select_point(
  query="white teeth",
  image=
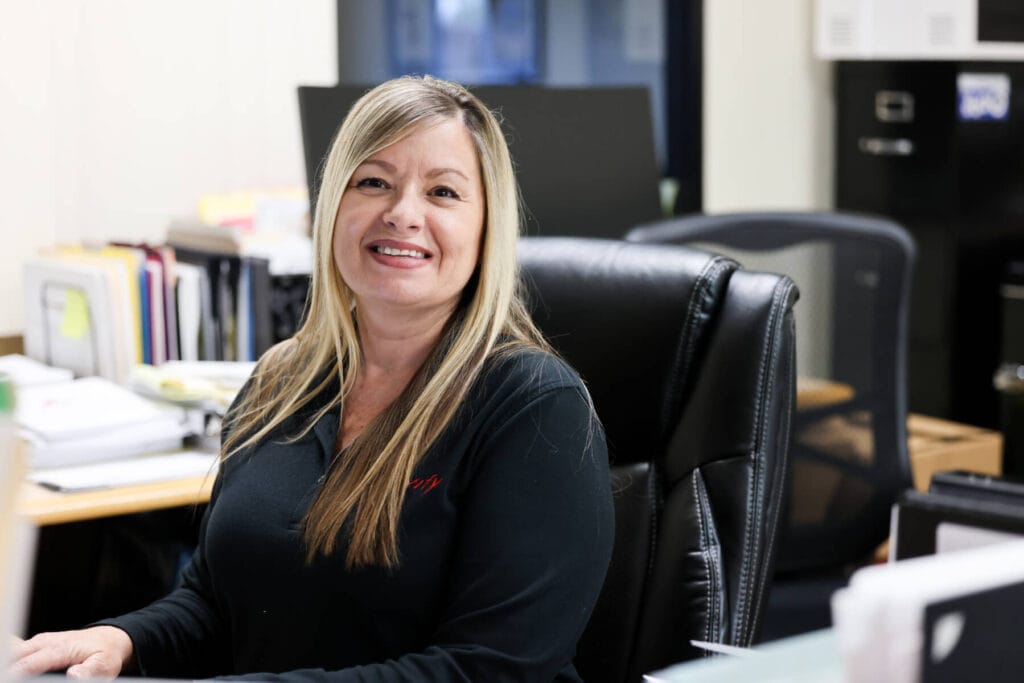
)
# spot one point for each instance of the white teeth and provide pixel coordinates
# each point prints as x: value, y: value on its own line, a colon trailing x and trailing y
x: 388, y: 251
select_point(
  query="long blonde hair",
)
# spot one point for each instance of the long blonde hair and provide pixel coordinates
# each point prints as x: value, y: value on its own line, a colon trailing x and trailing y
x: 365, y: 488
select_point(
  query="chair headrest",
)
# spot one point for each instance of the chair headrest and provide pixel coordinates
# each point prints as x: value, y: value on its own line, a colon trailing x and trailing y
x: 639, y: 314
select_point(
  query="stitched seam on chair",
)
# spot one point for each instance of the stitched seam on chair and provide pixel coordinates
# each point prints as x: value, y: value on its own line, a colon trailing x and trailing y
x: 716, y: 565
x: 704, y: 555
x: 653, y: 495
x: 783, y: 454
x: 711, y: 542
x: 755, y: 491
x: 776, y: 319
x: 682, y: 362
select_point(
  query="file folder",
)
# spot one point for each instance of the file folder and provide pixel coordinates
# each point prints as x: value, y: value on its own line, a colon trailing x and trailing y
x: 974, y: 637
x: 919, y: 518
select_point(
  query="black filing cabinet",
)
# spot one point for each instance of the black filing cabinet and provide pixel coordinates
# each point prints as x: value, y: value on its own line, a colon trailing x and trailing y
x: 908, y: 148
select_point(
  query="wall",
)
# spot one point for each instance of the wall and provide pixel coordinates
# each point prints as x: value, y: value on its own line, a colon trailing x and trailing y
x: 115, y: 116
x: 85, y: 84
x: 768, y: 140
x: 768, y: 111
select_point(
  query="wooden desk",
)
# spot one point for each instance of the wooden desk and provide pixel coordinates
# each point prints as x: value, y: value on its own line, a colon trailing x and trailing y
x: 812, y: 392
x: 44, y: 507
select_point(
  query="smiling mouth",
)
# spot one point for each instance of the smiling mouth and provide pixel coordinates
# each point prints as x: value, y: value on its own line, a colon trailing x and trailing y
x: 408, y: 253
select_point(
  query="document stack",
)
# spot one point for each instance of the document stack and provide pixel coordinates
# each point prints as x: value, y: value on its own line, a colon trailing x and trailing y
x: 239, y: 291
x: 90, y: 419
x: 948, y: 617
x: 213, y: 296
x: 209, y: 386
x: 21, y: 371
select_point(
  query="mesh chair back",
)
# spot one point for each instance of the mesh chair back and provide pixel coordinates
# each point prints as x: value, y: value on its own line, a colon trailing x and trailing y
x: 849, y: 448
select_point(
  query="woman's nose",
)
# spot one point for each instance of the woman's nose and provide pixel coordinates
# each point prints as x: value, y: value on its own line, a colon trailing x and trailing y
x: 405, y: 212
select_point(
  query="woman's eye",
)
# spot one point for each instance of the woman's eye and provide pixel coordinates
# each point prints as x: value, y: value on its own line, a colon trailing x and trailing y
x: 372, y: 183
x: 445, y: 192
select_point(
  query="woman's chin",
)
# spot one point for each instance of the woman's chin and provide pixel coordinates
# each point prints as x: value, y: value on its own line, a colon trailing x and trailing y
x: 405, y: 303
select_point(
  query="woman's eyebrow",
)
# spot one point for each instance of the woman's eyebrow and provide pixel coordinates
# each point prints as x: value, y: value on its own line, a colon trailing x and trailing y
x: 441, y: 171
x: 378, y: 162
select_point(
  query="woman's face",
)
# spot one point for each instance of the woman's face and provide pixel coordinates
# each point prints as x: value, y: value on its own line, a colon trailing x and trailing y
x: 408, y: 229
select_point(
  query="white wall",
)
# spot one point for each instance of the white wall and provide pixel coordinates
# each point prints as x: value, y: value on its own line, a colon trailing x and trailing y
x: 768, y: 111
x: 116, y: 115
x: 768, y: 141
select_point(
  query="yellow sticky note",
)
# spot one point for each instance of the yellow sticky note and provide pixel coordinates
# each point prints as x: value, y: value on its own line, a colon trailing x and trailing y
x: 75, y: 322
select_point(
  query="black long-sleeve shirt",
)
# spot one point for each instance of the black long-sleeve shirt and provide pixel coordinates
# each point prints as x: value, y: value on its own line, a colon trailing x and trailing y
x: 505, y: 536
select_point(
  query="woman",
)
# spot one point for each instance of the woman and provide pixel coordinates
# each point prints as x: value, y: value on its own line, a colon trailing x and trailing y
x: 413, y: 487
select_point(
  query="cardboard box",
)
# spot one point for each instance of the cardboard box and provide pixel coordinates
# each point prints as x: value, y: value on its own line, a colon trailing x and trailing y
x: 940, y: 446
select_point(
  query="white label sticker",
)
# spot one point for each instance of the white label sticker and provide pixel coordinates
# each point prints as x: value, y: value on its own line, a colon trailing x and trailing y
x: 983, y: 97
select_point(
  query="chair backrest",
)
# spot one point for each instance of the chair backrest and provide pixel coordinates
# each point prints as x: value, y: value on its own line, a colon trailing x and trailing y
x: 690, y: 364
x: 849, y: 448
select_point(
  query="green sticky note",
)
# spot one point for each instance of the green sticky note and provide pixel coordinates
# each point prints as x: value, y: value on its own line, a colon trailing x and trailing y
x: 75, y: 323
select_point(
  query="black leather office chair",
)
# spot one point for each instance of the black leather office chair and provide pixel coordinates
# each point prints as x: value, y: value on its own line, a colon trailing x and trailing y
x: 849, y: 453
x: 690, y: 364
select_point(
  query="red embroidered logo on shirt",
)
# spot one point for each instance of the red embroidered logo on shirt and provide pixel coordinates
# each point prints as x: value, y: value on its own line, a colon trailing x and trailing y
x: 425, y: 484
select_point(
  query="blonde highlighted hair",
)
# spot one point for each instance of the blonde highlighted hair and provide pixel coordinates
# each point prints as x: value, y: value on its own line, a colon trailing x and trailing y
x: 365, y: 488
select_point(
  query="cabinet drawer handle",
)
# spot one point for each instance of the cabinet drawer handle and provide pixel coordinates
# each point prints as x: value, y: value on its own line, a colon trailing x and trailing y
x: 886, y: 147
x: 894, y: 106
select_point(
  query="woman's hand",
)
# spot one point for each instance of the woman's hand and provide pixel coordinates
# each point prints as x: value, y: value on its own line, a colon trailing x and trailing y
x: 98, y: 652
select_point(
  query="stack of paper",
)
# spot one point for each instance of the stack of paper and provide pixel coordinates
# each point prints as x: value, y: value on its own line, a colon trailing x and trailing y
x: 208, y: 385
x: 942, y: 617
x: 22, y: 371
x: 91, y: 419
x: 130, y: 472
